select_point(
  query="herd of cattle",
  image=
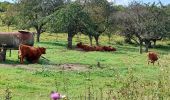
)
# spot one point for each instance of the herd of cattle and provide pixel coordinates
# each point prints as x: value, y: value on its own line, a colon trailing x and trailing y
x: 32, y: 54
x: 23, y: 41
x: 94, y: 48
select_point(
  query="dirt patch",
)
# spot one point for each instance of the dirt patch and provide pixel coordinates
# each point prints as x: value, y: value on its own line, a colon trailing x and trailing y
x: 22, y: 66
x: 32, y: 67
x: 74, y: 67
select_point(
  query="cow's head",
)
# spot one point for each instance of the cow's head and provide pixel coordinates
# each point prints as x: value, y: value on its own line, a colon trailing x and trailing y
x: 43, y: 50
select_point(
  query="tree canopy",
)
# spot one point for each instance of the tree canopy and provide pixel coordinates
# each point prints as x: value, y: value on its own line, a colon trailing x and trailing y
x: 34, y: 13
x: 70, y: 19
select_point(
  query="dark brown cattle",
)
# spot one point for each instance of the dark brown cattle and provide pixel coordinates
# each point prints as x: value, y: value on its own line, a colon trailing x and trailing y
x: 85, y: 48
x: 98, y: 48
x: 95, y: 48
x: 31, y: 54
x: 79, y: 45
x: 152, y: 57
x: 108, y: 48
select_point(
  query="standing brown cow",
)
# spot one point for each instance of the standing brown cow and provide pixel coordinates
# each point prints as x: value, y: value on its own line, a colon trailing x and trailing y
x: 31, y: 54
x: 152, y: 57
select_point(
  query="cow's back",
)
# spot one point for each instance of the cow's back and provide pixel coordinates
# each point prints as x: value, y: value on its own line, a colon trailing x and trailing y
x: 153, y: 56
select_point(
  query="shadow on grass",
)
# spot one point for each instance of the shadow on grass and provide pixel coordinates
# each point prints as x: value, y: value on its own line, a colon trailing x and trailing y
x: 164, y: 48
x: 11, y: 62
x: 17, y: 62
x: 57, y: 43
x: 127, y: 49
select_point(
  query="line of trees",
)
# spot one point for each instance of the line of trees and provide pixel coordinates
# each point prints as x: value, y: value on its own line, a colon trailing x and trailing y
x: 138, y: 22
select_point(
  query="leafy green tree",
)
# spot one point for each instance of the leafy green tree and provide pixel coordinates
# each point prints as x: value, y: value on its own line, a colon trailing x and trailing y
x: 4, y: 6
x: 34, y: 14
x: 8, y: 17
x: 167, y: 23
x: 70, y: 19
x: 99, y: 12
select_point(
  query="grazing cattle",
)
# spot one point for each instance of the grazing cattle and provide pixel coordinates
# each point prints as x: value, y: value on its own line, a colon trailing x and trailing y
x: 152, y: 57
x: 31, y: 54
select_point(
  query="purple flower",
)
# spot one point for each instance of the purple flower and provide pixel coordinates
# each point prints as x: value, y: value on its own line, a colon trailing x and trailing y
x: 55, y: 96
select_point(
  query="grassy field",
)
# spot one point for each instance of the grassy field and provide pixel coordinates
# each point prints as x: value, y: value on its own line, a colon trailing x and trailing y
x: 123, y: 74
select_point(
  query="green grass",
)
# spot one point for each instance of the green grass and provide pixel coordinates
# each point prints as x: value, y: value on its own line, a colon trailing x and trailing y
x: 35, y: 81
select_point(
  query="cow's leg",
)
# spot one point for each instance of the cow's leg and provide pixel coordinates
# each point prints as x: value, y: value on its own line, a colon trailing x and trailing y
x: 153, y: 62
x: 20, y: 56
x: 158, y: 63
x: 21, y: 59
x: 149, y: 62
x: 35, y: 61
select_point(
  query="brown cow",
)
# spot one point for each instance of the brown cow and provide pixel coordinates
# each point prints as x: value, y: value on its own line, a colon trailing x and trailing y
x: 94, y: 48
x: 98, y: 48
x: 152, y: 57
x: 79, y: 45
x: 31, y: 54
x: 109, y: 48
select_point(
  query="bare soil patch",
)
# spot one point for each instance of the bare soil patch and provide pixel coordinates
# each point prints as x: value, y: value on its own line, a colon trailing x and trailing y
x: 32, y: 67
x: 74, y: 67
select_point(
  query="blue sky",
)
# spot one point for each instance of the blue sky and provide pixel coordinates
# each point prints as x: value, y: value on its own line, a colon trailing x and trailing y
x: 125, y: 2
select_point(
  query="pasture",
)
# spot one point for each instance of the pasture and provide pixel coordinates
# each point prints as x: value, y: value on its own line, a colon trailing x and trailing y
x: 124, y: 74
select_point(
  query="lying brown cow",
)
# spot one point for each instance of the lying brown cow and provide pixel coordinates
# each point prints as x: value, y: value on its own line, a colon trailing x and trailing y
x: 31, y: 54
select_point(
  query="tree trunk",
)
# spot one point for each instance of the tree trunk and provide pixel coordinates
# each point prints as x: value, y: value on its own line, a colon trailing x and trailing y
x: 154, y: 43
x: 38, y: 37
x: 39, y: 31
x: 147, y: 43
x: 146, y: 48
x: 150, y: 44
x: 128, y: 40
x: 109, y: 39
x: 97, y: 39
x: 69, y: 40
x: 140, y: 46
x: 8, y: 28
x: 91, y: 40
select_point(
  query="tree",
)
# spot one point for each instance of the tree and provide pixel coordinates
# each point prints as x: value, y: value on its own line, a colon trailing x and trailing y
x: 98, y: 11
x: 112, y: 23
x: 167, y: 23
x: 8, y: 17
x: 34, y: 13
x: 70, y: 19
x: 144, y: 22
x: 4, y: 6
